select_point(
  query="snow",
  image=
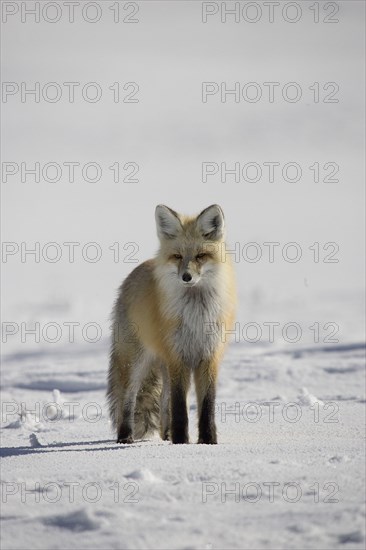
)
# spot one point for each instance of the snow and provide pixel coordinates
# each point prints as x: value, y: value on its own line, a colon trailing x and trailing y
x: 285, y: 474
x: 288, y: 471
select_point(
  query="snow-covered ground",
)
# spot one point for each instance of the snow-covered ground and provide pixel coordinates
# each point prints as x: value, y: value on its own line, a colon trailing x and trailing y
x: 288, y: 472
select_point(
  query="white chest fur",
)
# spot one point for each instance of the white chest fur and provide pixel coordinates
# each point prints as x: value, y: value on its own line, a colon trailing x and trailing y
x: 197, y: 335
x: 198, y: 310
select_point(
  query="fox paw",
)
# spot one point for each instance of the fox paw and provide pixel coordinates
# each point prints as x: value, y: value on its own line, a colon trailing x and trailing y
x: 125, y: 440
x: 128, y: 439
x: 207, y: 441
x: 179, y: 440
x: 165, y: 436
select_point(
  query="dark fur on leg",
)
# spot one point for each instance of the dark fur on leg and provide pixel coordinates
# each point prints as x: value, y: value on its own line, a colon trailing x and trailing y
x: 125, y: 431
x: 179, y: 415
x: 206, y: 425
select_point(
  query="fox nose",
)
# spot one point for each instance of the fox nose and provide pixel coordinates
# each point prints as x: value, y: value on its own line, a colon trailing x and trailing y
x: 186, y: 277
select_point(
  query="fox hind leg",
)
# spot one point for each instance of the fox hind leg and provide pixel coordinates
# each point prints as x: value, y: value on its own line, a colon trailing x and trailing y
x: 122, y: 396
x: 117, y: 386
x: 138, y: 372
x: 125, y: 428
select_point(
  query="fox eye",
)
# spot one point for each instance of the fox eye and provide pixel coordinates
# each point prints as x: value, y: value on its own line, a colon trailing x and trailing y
x: 177, y: 256
x: 200, y: 256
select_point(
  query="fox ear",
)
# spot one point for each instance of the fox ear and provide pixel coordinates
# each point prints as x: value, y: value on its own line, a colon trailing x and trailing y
x: 211, y: 222
x: 167, y: 222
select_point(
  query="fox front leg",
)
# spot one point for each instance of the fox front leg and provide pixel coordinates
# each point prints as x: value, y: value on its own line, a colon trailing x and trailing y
x: 205, y: 379
x: 179, y: 385
x: 165, y: 405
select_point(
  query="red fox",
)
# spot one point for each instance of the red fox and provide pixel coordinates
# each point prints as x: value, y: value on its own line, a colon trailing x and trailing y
x: 167, y: 324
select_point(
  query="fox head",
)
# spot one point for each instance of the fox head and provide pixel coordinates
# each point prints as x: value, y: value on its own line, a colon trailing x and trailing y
x: 190, y: 248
